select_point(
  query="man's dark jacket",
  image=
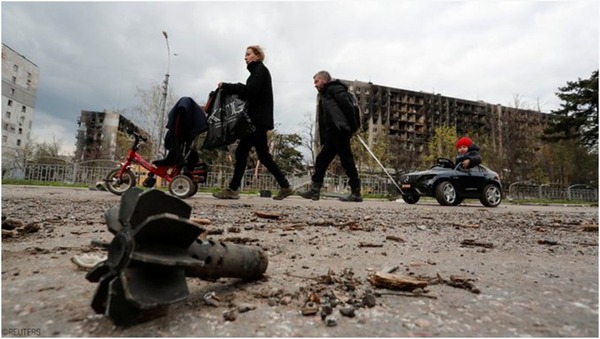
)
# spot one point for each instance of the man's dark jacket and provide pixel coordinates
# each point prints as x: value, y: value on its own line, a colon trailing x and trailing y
x: 335, y: 111
x: 258, y: 91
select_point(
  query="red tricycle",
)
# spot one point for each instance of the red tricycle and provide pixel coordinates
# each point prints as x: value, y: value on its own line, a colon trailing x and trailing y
x: 182, y: 183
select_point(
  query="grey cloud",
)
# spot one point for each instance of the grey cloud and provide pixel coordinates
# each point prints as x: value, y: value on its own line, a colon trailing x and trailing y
x: 95, y: 56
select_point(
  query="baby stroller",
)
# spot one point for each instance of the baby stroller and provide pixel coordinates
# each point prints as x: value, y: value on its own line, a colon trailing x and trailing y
x: 182, y: 168
x: 186, y: 121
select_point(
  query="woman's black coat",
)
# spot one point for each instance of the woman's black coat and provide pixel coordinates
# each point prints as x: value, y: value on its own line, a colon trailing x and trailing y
x: 258, y: 91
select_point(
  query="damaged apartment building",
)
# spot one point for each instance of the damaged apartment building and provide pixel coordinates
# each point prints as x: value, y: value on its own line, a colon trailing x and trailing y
x: 409, y: 118
x: 20, y: 79
x: 102, y: 136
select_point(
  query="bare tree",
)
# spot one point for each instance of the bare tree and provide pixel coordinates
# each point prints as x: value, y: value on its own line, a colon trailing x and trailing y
x: 47, y: 152
x: 308, y: 137
x: 513, y: 145
x: 22, y: 155
x: 148, y: 114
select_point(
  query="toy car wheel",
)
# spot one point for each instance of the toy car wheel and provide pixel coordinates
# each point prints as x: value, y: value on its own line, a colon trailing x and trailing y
x: 411, y: 199
x: 445, y: 193
x: 491, y: 196
x: 458, y: 201
x: 116, y: 186
x: 182, y: 186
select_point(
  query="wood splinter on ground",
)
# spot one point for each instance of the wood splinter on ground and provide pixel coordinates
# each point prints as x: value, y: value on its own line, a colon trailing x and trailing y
x: 459, y: 282
x: 366, y: 244
x: 588, y: 228
x: 268, y: 215
x: 201, y: 221
x: 473, y: 242
x: 394, y: 238
x: 396, y: 282
x: 465, y: 225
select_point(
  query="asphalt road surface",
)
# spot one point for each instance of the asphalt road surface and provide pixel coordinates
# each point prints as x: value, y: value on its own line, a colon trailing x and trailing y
x: 509, y: 271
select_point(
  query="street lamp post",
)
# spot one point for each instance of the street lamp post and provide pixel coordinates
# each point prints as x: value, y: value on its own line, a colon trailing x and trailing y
x: 164, y: 96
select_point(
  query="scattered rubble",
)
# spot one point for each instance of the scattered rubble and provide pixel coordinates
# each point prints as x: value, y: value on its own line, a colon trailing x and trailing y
x: 372, y: 269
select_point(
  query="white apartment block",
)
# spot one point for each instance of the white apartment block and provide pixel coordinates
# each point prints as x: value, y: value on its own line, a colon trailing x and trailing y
x: 20, y: 79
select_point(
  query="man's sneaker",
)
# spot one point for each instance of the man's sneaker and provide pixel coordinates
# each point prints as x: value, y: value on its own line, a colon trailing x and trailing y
x: 227, y: 193
x: 284, y: 193
x: 352, y: 197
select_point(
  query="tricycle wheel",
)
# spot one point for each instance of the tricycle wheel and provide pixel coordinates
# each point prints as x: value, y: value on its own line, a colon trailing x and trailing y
x: 182, y: 187
x: 119, y: 186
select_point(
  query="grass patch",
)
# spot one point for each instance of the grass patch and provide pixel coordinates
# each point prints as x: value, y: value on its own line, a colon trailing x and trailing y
x: 552, y: 202
x: 40, y: 183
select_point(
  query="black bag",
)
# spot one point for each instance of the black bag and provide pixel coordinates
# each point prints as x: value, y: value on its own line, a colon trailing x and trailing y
x: 228, y: 119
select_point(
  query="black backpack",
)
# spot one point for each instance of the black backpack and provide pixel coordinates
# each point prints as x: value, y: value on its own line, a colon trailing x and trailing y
x: 357, y: 112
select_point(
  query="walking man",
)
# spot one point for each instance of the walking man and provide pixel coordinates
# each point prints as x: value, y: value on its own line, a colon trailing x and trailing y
x: 337, y: 123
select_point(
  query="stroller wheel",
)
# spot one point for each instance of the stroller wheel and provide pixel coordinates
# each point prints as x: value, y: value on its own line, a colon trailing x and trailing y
x: 182, y: 187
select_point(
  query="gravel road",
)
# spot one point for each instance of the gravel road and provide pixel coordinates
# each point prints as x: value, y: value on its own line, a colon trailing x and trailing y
x: 521, y: 270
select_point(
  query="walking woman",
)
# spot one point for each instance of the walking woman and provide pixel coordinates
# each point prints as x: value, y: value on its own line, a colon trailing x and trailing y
x: 258, y: 91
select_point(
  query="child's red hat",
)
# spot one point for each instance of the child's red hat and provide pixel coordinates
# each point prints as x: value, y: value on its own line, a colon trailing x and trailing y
x: 464, y: 141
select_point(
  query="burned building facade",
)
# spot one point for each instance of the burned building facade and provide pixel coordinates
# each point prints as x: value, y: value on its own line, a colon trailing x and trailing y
x: 409, y: 118
x: 98, y: 135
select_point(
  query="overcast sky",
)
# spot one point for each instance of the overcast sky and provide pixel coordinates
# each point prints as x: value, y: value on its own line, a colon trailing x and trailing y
x: 94, y: 56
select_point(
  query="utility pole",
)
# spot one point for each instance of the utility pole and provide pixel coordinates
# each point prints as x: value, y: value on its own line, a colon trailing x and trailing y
x: 164, y: 99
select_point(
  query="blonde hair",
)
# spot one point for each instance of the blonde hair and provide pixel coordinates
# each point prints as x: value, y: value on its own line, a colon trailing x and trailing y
x: 258, y: 51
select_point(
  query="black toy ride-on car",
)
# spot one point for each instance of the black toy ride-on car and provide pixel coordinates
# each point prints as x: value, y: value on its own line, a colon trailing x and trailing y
x: 451, y: 184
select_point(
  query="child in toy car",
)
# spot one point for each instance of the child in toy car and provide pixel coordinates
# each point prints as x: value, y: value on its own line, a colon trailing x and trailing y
x: 468, y: 153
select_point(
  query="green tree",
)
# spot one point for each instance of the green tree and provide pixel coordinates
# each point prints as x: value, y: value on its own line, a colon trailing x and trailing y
x: 578, y: 117
x: 441, y: 145
x: 567, y: 163
x: 286, y: 153
x: 283, y: 147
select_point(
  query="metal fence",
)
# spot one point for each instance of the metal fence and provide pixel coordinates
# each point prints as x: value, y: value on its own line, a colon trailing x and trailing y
x: 219, y: 176
x: 527, y: 190
x: 78, y: 173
